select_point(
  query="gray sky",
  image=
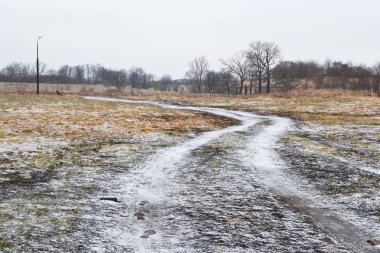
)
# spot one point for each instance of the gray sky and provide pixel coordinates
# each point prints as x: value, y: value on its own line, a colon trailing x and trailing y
x: 162, y: 36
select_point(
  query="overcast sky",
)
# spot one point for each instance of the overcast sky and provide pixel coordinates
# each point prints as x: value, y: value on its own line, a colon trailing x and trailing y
x: 162, y: 36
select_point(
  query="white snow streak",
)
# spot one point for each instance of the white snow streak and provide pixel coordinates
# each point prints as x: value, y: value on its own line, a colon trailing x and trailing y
x: 152, y: 182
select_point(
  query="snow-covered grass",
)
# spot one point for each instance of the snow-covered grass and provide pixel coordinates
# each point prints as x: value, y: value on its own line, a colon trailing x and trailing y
x: 59, y: 155
x: 155, y: 182
x: 54, y: 152
x: 334, y: 144
x: 345, y: 126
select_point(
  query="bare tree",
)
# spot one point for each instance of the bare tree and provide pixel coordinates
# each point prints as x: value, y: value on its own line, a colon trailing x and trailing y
x: 137, y: 77
x: 166, y: 81
x: 271, y: 54
x: 79, y: 73
x: 255, y: 56
x: 198, y: 69
x: 89, y: 72
x: 238, y: 66
x: 190, y: 77
x: 226, y: 79
x: 212, y: 79
x: 286, y: 76
x: 42, y: 67
x: 120, y: 79
x: 19, y: 72
x: 376, y: 75
x: 149, y: 81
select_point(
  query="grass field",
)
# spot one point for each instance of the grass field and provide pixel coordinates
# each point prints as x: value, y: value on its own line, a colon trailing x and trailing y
x: 338, y: 124
x: 56, y: 151
x: 317, y: 108
x: 71, y: 117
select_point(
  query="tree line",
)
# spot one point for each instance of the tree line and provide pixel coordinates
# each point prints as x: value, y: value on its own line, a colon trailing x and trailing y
x: 253, y: 70
x: 256, y: 70
x: 80, y: 74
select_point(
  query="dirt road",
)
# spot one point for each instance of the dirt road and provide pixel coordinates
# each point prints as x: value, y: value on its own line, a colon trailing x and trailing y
x: 225, y: 191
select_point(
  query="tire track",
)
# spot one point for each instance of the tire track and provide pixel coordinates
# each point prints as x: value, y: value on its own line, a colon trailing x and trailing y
x: 153, y: 186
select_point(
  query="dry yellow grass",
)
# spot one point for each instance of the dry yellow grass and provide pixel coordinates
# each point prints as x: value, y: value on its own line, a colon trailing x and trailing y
x: 342, y: 125
x: 314, y: 105
x: 72, y: 117
x: 49, y: 88
x: 337, y: 109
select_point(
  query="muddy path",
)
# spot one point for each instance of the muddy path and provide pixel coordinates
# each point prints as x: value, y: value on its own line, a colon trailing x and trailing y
x: 225, y: 191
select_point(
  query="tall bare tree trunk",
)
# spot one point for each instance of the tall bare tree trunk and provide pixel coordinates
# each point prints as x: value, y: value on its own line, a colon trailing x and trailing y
x: 260, y: 84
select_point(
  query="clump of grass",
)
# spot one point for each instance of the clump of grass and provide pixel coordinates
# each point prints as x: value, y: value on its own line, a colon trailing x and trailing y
x: 6, y: 245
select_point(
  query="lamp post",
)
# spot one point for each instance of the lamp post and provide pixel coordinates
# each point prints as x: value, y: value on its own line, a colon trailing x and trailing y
x: 38, y: 69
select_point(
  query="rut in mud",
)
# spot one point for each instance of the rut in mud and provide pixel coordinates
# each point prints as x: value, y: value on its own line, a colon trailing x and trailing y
x: 225, y: 191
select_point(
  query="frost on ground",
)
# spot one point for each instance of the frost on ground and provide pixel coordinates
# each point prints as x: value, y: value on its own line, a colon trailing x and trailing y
x: 55, y: 152
x: 206, y: 201
x: 342, y: 162
x: 264, y: 184
x: 215, y: 197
